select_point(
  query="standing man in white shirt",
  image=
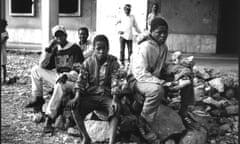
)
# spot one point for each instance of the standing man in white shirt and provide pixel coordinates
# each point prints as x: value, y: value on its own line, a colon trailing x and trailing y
x: 127, y: 23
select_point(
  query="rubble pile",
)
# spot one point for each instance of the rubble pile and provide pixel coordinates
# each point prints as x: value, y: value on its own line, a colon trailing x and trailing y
x: 215, y: 110
x: 216, y: 98
x: 216, y: 104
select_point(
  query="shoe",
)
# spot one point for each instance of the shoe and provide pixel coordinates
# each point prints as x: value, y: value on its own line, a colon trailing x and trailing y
x: 38, y: 117
x: 190, y: 123
x: 73, y: 132
x: 36, y: 103
x: 147, y: 133
x: 69, y: 123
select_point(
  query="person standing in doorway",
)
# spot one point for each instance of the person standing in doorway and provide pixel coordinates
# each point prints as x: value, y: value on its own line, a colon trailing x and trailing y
x: 127, y: 23
x: 154, y: 13
x: 4, y: 38
x: 61, y: 59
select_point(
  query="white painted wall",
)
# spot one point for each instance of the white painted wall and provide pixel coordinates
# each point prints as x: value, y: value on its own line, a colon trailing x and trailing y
x: 108, y: 12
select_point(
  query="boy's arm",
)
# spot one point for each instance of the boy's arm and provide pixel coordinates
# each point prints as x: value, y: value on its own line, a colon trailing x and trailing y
x: 135, y: 25
x: 148, y: 21
x: 47, y: 54
x: 115, y: 77
x: 81, y: 82
x: 119, y: 28
x: 115, y: 86
x: 140, y: 66
x: 79, y: 88
x: 79, y: 58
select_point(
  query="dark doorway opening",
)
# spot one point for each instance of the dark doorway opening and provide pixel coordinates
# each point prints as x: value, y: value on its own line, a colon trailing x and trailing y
x: 227, y: 39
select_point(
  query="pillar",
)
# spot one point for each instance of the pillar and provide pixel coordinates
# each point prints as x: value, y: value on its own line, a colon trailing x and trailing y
x: 49, y: 19
x: 3, y: 9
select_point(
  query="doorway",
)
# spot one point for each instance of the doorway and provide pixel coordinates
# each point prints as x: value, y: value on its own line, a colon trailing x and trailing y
x: 108, y: 12
x: 227, y: 38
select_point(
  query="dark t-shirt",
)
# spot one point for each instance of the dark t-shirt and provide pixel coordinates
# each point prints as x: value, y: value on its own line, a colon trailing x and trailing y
x: 65, y: 60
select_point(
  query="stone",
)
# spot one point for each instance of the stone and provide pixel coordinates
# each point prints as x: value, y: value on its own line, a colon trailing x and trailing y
x: 217, y: 83
x: 97, y: 130
x: 170, y: 141
x: 218, y: 112
x: 228, y: 81
x: 199, y: 93
x: 225, y: 128
x: 167, y: 122
x: 218, y: 104
x: 195, y: 137
x: 202, y: 74
x: 229, y: 93
x: 232, y: 109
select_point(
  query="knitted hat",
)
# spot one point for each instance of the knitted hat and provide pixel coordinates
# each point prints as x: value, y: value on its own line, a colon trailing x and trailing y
x: 58, y: 28
x: 157, y: 21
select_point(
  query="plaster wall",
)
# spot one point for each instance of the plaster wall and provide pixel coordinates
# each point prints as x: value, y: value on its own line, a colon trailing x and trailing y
x: 193, y: 24
x: 24, y: 29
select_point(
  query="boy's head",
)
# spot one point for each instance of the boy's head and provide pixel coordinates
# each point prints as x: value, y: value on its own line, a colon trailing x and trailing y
x: 127, y: 9
x: 159, y: 30
x: 101, y: 46
x: 155, y: 7
x: 83, y: 34
x: 59, y: 33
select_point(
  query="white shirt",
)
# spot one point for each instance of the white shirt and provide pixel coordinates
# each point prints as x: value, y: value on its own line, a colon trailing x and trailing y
x: 126, y: 25
x: 86, y: 48
x: 147, y: 62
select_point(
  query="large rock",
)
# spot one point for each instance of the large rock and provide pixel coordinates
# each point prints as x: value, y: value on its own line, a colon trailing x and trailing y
x: 98, y: 130
x: 195, y: 137
x: 167, y: 122
x: 232, y: 109
x: 218, y: 84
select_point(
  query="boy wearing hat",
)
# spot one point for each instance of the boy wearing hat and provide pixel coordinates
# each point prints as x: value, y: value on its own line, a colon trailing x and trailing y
x: 59, y: 61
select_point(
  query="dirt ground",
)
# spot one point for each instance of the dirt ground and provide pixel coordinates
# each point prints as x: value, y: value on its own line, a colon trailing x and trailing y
x: 16, y: 124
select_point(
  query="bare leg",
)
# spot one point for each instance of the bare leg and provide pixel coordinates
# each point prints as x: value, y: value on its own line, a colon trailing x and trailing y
x: 79, y: 120
x: 113, y: 125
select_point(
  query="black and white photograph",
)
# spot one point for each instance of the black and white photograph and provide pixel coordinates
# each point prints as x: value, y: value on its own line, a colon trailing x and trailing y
x: 120, y: 71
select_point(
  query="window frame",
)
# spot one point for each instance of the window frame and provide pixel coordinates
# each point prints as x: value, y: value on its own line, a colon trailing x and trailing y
x: 78, y: 13
x: 11, y: 13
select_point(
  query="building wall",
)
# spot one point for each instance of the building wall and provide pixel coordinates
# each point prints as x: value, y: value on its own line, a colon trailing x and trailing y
x: 193, y: 24
x: 24, y: 29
